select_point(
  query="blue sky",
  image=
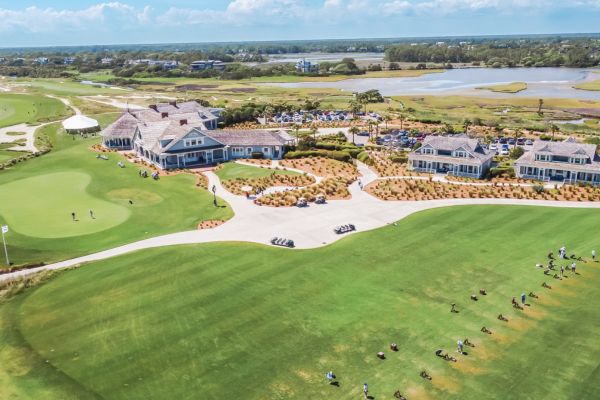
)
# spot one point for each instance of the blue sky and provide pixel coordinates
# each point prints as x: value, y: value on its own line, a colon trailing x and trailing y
x: 77, y: 22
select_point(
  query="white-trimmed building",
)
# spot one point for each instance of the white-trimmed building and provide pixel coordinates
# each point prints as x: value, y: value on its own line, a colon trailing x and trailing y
x: 452, y: 155
x: 564, y: 162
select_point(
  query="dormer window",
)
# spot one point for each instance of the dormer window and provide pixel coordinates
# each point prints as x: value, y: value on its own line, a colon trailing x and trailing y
x: 543, y: 157
x: 192, y: 142
x: 578, y: 160
x: 427, y: 150
x: 461, y: 154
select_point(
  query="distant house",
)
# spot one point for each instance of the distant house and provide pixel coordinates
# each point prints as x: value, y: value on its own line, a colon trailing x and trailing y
x: 68, y: 60
x: 106, y: 60
x: 42, y: 60
x: 452, y: 155
x: 568, y: 162
x: 202, y: 65
x: 307, y: 67
x: 180, y: 135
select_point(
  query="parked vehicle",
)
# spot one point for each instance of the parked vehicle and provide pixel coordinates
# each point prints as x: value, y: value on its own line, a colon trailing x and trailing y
x: 344, y: 229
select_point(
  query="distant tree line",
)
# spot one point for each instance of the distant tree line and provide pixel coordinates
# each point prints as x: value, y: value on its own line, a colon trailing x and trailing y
x: 502, y: 53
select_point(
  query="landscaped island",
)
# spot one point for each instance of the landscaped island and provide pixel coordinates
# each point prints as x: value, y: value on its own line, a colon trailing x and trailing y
x: 514, y: 87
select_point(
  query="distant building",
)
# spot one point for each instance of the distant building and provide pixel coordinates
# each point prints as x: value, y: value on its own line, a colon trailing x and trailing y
x: 202, y: 65
x: 307, y: 67
x: 42, y: 60
x: 68, y: 60
x: 106, y: 60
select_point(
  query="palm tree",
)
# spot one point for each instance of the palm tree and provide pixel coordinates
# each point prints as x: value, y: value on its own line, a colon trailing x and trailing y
x: 518, y: 134
x: 267, y: 113
x: 354, y: 130
x: 554, y: 128
x: 466, y: 125
x: 387, y: 118
x: 297, y: 129
x: 401, y: 117
x: 354, y: 107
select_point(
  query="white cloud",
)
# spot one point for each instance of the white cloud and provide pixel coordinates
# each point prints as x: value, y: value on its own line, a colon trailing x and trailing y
x: 38, y: 20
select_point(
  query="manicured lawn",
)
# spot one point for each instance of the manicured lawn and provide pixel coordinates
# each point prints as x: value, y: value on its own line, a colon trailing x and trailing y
x: 514, y: 87
x: 233, y: 170
x: 40, y: 194
x: 16, y: 109
x: 240, y: 321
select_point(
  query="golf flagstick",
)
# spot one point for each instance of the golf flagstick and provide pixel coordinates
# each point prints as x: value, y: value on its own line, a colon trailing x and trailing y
x: 5, y: 230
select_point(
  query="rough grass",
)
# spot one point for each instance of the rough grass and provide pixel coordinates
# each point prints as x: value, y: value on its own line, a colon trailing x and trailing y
x: 245, y: 321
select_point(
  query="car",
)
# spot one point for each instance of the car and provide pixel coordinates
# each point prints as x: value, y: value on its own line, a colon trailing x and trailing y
x: 529, y: 142
x: 364, y: 133
x: 502, y: 140
x: 493, y: 147
x: 511, y: 141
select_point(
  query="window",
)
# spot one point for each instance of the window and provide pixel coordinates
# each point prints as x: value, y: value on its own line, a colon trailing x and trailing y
x: 249, y: 150
x: 427, y: 150
x: 578, y: 160
x: 265, y: 150
x: 238, y: 150
x: 462, y: 154
x: 192, y: 142
x: 543, y: 157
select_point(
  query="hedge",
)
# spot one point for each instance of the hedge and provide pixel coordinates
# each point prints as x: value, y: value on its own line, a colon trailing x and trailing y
x: 365, y: 158
x: 336, y: 155
x: 509, y: 171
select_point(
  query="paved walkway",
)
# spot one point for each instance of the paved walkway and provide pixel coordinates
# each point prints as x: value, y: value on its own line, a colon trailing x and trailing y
x: 309, y: 227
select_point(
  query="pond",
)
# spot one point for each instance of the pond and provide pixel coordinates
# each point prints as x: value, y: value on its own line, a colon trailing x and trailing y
x: 542, y: 83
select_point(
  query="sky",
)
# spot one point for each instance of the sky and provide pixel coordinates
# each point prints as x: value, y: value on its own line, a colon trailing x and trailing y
x: 81, y: 22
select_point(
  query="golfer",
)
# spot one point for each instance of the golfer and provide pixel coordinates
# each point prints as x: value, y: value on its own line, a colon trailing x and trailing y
x: 459, y: 343
x: 330, y: 377
x: 573, y: 266
x: 92, y: 214
x: 523, y: 297
x: 593, y: 254
x: 366, y: 390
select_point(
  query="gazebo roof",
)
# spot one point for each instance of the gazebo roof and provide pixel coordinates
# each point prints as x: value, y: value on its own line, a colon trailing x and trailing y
x: 79, y: 122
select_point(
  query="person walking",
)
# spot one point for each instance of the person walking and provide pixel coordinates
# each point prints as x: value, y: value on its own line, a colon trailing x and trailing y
x: 573, y: 266
x: 330, y: 377
x: 562, y: 271
x: 460, y: 345
x: 593, y: 254
x: 92, y: 214
x: 73, y: 216
x: 523, y: 297
x: 366, y: 390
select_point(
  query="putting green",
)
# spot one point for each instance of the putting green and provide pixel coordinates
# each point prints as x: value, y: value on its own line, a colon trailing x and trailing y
x: 41, y: 206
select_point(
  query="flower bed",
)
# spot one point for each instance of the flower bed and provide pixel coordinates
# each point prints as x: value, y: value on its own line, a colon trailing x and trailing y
x: 210, y: 224
x: 321, y: 166
x: 413, y: 189
x: 235, y: 185
x: 332, y: 188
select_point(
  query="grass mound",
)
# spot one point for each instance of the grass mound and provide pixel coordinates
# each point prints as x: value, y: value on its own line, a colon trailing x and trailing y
x: 247, y: 321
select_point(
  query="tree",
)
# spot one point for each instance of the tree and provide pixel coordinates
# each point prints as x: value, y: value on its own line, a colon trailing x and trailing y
x: 516, y: 153
x: 554, y: 128
x: 518, y: 134
x: 354, y: 107
x: 354, y: 130
x: 394, y: 66
x: 540, y: 105
x: 466, y: 125
x: 387, y: 118
x: 401, y: 117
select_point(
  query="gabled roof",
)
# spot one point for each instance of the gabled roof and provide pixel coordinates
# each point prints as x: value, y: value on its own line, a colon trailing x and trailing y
x: 568, y: 148
x: 452, y: 143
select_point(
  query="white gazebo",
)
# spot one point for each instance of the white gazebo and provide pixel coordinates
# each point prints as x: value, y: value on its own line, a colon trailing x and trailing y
x: 80, y: 124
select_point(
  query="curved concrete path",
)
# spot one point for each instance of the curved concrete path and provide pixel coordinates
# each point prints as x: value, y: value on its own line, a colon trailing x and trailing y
x: 309, y: 227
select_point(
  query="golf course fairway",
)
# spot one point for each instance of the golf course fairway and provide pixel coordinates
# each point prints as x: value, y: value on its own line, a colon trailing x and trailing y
x: 243, y: 321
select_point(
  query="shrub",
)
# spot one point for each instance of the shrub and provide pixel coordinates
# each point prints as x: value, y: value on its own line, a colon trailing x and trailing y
x: 365, y: 158
x: 516, y: 153
x: 399, y: 158
x: 502, y: 171
x: 538, y: 189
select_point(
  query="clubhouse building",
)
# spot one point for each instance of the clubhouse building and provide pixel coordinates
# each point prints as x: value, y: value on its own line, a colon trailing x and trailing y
x: 452, y: 155
x: 182, y: 135
x: 567, y: 162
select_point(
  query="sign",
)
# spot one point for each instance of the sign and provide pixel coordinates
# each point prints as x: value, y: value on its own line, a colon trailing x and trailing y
x: 4, y: 228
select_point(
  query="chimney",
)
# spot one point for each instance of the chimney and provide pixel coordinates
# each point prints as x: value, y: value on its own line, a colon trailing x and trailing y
x: 164, y: 115
x: 182, y: 122
x: 154, y: 107
x: 173, y: 103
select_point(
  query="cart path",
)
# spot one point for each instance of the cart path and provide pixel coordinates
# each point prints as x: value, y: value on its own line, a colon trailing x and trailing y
x: 309, y: 227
